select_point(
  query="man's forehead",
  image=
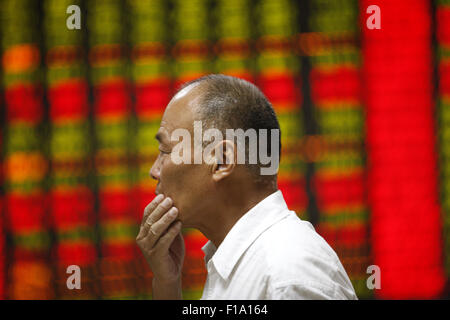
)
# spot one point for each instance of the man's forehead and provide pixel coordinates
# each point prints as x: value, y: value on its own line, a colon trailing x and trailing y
x: 183, y: 102
x: 183, y: 92
x: 179, y: 112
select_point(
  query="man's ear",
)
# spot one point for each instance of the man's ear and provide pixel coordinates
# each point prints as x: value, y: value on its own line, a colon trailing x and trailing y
x: 223, y: 159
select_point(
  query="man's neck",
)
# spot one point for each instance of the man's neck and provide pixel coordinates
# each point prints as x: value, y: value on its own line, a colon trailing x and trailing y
x: 228, y: 211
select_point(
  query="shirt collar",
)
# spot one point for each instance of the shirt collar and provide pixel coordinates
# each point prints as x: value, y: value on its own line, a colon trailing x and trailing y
x: 244, y: 232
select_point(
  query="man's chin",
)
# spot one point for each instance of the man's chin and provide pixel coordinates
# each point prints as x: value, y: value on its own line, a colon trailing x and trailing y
x: 184, y: 222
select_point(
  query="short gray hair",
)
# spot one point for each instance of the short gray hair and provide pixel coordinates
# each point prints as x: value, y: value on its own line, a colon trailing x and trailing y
x: 232, y: 103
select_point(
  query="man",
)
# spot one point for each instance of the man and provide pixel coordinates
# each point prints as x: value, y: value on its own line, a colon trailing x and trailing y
x: 258, y: 248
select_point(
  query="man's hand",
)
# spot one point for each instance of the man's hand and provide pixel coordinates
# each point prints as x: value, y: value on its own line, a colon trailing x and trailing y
x: 162, y: 244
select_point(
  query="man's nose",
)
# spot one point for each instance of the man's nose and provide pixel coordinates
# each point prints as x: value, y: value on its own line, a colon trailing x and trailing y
x: 154, y: 171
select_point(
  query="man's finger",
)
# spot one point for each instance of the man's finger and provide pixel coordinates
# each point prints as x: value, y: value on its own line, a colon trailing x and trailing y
x: 159, y: 211
x: 162, y: 224
x: 156, y: 231
x: 147, y: 211
x: 151, y: 206
x: 154, y: 216
x: 166, y: 240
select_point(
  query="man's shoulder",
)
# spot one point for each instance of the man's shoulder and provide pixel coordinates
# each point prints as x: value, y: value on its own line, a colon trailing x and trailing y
x: 293, y: 237
x: 292, y: 249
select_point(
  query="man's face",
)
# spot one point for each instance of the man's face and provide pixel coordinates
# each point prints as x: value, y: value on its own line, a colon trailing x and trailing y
x: 185, y: 184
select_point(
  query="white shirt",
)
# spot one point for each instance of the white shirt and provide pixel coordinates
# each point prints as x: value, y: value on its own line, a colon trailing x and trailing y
x: 270, y: 253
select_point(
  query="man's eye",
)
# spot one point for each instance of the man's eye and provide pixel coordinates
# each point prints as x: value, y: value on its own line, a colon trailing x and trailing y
x: 163, y: 152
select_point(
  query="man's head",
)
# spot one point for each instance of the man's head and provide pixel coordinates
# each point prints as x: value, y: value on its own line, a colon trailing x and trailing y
x: 222, y: 103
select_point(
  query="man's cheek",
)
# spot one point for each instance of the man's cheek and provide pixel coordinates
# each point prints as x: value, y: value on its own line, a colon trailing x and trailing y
x: 169, y: 178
